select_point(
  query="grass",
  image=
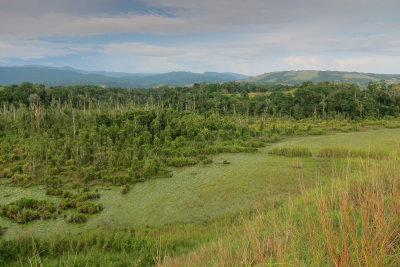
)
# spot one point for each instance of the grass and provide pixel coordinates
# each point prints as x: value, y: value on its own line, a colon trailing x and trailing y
x: 291, y: 151
x: 297, y: 164
x: 335, y: 152
x: 117, y: 246
x: 382, y: 140
x: 285, y: 228
x: 353, y: 222
x: 214, y: 190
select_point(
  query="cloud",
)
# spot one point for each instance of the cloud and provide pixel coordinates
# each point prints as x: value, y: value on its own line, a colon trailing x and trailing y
x: 302, y: 62
x: 138, y: 49
x: 36, y: 49
x: 45, y: 17
x: 383, y: 64
x: 227, y: 35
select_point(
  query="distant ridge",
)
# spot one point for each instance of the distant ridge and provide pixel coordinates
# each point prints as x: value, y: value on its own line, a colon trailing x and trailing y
x: 297, y: 77
x: 69, y: 76
x: 52, y: 76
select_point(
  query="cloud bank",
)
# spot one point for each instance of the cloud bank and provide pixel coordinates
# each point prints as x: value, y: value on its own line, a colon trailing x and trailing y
x: 251, y: 37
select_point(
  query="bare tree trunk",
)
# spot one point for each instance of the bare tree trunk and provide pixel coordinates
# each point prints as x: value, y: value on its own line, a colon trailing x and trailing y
x: 73, y: 123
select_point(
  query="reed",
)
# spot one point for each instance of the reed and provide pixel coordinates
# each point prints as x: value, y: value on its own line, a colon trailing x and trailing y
x: 338, y: 152
x: 290, y: 151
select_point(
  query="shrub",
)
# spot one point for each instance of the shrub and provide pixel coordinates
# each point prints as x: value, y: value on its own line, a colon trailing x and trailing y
x: 79, y: 218
x: 27, y: 215
x: 91, y: 175
x: 207, y: 161
x: 54, y: 191
x: 5, y: 173
x: 21, y: 178
x: 125, y: 189
x: 89, y: 208
x: 66, y: 203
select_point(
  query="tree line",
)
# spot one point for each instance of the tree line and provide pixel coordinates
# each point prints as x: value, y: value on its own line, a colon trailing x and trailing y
x: 324, y: 99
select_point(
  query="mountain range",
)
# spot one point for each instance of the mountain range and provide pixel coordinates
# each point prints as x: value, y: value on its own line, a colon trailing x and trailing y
x: 70, y: 76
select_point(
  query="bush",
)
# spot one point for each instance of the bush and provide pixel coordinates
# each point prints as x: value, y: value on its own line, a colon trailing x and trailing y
x: 207, y: 161
x: 66, y: 203
x: 54, y: 191
x: 5, y: 173
x: 27, y: 215
x: 21, y: 178
x: 79, y: 218
x: 125, y: 189
x: 91, y: 175
x: 89, y: 208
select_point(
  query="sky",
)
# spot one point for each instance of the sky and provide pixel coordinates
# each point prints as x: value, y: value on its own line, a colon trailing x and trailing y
x: 249, y: 37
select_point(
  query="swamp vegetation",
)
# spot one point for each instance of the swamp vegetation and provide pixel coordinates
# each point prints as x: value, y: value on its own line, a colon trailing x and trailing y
x: 108, y: 165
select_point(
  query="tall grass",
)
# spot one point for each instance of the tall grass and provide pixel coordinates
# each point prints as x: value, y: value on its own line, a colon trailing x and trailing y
x: 289, y: 151
x: 354, y: 222
x: 338, y: 152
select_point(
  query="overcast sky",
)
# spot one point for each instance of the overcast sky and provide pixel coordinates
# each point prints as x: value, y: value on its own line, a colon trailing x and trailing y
x: 249, y: 37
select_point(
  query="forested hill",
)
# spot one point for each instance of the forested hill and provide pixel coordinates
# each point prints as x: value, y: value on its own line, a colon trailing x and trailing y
x: 298, y: 77
x: 69, y: 76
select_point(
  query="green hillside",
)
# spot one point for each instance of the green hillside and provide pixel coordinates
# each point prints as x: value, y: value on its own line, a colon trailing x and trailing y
x: 296, y: 77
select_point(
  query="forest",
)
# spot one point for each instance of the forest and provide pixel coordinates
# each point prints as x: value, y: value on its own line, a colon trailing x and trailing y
x: 72, y: 139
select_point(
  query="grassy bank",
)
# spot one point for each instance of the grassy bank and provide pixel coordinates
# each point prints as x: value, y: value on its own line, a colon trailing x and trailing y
x: 353, y: 222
